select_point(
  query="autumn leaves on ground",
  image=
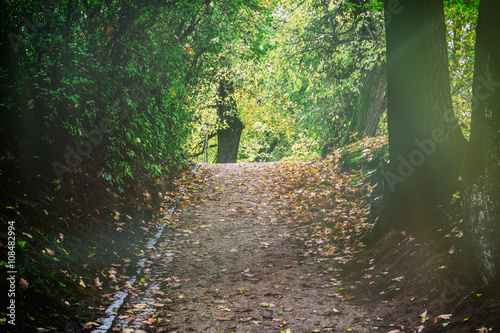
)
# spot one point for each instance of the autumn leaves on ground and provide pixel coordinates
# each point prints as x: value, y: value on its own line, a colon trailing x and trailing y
x: 238, y: 266
x: 278, y: 247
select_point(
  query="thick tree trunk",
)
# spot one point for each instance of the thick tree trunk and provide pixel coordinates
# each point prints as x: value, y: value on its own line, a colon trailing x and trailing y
x: 425, y: 141
x: 228, y: 138
x: 370, y: 104
x: 482, y: 178
x: 229, y: 141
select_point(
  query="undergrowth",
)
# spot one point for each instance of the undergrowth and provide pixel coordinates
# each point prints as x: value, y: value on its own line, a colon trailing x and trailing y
x: 68, y: 236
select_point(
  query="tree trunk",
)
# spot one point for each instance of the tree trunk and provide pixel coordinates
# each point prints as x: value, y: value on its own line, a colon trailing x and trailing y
x: 370, y: 103
x: 229, y: 141
x: 228, y: 138
x: 425, y: 141
x: 482, y: 177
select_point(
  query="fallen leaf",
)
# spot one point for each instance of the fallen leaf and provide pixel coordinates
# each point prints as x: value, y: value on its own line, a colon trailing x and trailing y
x: 98, y: 283
x: 90, y: 324
x: 243, y: 310
x: 23, y: 283
x: 424, y: 316
x: 245, y: 319
x: 442, y: 317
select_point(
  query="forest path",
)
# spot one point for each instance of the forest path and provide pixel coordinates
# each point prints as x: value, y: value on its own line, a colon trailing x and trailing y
x: 228, y: 265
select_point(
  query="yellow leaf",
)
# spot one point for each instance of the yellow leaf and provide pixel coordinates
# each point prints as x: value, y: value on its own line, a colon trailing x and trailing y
x: 424, y: 316
x: 82, y: 284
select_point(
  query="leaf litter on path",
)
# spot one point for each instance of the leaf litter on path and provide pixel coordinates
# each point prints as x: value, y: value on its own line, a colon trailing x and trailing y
x: 237, y: 265
x: 263, y: 247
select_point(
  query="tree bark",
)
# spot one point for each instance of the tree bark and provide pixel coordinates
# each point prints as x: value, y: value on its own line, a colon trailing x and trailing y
x: 229, y: 141
x: 370, y: 104
x: 482, y: 177
x: 228, y: 138
x: 425, y: 141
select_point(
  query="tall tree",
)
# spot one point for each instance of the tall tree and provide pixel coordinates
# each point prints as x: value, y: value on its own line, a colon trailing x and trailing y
x: 482, y: 191
x: 425, y: 141
x: 370, y: 103
x: 228, y: 137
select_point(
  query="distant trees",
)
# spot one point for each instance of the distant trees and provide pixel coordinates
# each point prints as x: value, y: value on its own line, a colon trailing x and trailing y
x: 332, y: 66
x: 107, y: 87
x: 228, y: 135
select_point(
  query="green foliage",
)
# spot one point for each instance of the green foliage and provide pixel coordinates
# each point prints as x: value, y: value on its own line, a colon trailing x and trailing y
x: 366, y: 155
x: 331, y: 45
x: 111, y: 85
x: 461, y: 19
x: 149, y: 71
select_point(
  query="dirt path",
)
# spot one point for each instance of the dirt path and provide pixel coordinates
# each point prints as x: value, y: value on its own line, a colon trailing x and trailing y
x: 229, y: 266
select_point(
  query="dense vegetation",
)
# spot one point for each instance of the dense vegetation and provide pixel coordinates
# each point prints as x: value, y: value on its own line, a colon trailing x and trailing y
x: 105, y: 103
